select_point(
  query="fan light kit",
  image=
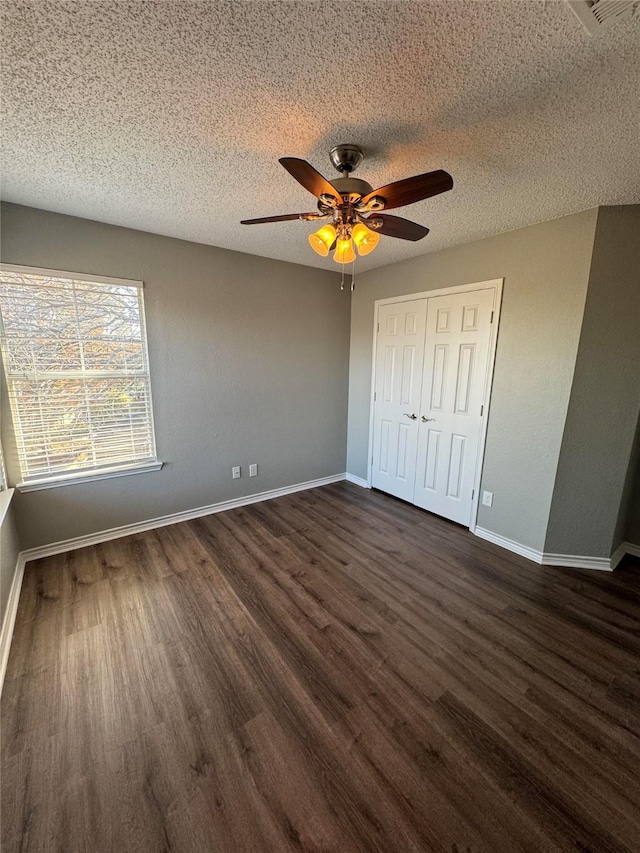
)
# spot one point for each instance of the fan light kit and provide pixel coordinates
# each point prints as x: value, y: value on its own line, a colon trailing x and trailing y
x: 353, y: 207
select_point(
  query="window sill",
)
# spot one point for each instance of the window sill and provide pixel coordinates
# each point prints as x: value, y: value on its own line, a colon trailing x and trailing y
x: 5, y: 500
x: 88, y: 477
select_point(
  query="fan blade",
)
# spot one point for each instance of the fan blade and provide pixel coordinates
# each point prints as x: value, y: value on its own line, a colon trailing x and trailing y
x: 412, y: 189
x: 310, y: 179
x: 283, y: 218
x: 396, y: 226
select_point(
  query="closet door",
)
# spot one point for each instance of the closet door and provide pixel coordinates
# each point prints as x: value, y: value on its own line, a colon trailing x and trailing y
x: 398, y: 372
x: 458, y: 329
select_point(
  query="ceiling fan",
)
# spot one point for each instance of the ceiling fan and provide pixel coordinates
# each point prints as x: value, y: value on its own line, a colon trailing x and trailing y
x: 352, y: 207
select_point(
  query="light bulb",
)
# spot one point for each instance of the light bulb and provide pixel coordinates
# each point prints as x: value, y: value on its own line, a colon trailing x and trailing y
x: 322, y: 240
x: 344, y: 253
x: 365, y: 239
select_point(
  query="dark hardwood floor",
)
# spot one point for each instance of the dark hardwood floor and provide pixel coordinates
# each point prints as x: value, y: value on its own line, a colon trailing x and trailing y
x: 329, y: 671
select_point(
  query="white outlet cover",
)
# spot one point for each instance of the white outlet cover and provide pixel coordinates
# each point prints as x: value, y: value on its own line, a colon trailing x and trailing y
x: 235, y: 472
x: 487, y: 498
x: 253, y: 469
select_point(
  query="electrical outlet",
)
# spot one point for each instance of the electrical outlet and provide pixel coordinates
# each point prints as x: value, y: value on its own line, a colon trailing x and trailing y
x: 253, y: 469
x: 487, y: 498
x: 235, y: 472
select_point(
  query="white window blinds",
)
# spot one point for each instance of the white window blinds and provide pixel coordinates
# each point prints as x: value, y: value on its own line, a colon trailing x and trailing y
x: 75, y: 358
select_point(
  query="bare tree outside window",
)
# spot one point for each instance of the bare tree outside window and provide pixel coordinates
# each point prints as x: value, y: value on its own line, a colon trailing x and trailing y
x: 75, y: 359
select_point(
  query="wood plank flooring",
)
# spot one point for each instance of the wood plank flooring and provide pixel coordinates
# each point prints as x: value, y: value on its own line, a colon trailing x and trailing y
x: 329, y: 671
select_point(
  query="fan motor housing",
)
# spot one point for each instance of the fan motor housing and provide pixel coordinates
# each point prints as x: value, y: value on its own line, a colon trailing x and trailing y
x: 347, y: 186
x: 346, y: 157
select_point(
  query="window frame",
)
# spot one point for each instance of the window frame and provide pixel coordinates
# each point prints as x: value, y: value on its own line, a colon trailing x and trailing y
x: 3, y: 469
x: 121, y: 469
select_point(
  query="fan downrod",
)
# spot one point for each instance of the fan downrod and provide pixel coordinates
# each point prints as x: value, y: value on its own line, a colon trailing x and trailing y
x: 346, y: 157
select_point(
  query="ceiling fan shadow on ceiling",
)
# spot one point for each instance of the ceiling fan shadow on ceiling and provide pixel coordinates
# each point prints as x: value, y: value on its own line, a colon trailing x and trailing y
x: 352, y: 208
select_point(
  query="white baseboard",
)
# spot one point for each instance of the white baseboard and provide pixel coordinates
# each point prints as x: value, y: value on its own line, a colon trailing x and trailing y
x: 567, y: 561
x: 9, y: 621
x: 619, y: 553
x: 621, y: 550
x: 576, y: 561
x: 174, y: 518
x: 630, y: 548
x: 509, y: 544
x: 357, y: 481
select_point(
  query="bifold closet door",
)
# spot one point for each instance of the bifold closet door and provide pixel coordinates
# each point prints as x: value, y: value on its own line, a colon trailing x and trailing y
x: 458, y: 331
x: 398, y: 372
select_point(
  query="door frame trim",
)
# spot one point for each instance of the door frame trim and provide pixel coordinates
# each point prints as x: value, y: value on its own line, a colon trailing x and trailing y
x: 495, y: 284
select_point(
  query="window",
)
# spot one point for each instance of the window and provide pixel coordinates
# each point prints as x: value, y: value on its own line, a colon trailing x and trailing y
x: 75, y: 357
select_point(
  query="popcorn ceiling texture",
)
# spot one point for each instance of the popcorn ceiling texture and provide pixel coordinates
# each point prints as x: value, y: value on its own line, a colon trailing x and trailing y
x: 170, y: 116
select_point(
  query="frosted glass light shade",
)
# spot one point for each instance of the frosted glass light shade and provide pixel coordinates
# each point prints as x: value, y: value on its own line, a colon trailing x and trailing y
x: 322, y: 239
x: 344, y: 253
x: 365, y: 239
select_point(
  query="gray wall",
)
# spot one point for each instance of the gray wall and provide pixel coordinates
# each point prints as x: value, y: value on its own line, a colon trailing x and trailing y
x: 546, y: 272
x: 248, y: 364
x: 605, y: 398
x: 9, y: 550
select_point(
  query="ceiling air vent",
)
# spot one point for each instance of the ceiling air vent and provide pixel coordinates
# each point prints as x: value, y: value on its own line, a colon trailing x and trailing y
x: 598, y: 15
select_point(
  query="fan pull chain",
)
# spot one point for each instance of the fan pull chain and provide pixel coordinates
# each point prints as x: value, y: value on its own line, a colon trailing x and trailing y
x: 353, y: 274
x: 342, y: 282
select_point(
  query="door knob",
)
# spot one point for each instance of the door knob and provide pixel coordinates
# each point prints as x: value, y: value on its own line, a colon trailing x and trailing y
x: 411, y: 417
x: 426, y: 420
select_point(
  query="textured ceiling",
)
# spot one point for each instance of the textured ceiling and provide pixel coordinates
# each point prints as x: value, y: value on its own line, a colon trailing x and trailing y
x: 170, y: 116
